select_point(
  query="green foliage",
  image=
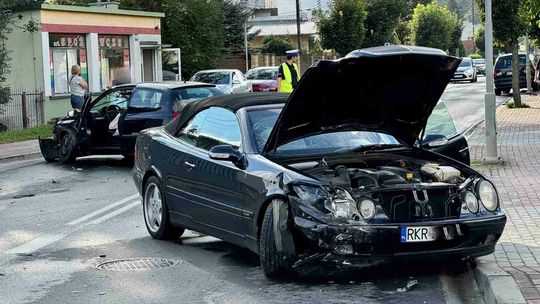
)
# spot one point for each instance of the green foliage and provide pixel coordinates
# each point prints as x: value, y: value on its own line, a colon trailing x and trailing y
x: 480, y: 40
x: 343, y: 29
x: 510, y: 20
x: 276, y: 45
x: 10, y: 136
x: 382, y: 18
x: 476, y: 56
x: 236, y: 14
x: 434, y: 26
x: 512, y: 105
x: 455, y: 38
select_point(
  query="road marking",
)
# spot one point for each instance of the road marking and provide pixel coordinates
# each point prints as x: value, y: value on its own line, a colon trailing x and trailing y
x: 115, y: 213
x: 99, y: 211
x: 30, y: 247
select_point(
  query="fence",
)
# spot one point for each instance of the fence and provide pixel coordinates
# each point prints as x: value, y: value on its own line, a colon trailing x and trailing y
x: 24, y: 110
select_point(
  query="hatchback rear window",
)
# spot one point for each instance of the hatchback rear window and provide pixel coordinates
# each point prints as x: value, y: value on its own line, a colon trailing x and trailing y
x: 506, y: 62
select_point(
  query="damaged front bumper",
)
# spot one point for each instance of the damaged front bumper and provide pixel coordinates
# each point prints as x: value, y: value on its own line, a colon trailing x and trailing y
x: 371, y: 244
x: 49, y: 148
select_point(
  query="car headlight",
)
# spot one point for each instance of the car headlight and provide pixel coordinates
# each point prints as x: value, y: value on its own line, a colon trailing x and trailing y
x: 471, y: 201
x: 488, y: 195
x: 367, y: 208
x: 340, y: 203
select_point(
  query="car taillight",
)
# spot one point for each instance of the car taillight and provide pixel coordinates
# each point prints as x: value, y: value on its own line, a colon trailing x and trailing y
x: 175, y: 115
x: 497, y: 74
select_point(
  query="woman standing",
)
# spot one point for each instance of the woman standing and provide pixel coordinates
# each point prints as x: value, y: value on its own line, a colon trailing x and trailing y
x: 77, y: 86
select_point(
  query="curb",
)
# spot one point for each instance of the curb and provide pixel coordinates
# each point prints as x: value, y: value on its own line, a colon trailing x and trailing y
x: 498, y: 286
x: 20, y: 157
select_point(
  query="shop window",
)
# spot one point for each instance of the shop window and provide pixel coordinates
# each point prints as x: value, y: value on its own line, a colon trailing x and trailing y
x: 114, y: 60
x: 65, y: 50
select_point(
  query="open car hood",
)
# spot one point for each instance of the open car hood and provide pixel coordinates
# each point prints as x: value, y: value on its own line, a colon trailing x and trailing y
x: 388, y: 89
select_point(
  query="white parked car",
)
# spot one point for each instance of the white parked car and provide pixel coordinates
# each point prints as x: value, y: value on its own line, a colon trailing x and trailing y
x: 229, y: 81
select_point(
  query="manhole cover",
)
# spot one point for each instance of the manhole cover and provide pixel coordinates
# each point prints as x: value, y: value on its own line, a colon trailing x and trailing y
x: 135, y: 264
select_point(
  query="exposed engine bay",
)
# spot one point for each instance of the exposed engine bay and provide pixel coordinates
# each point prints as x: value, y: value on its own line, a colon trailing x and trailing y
x: 395, y: 188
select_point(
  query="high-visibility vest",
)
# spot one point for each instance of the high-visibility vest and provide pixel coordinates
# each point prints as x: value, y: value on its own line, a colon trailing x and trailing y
x: 286, y: 84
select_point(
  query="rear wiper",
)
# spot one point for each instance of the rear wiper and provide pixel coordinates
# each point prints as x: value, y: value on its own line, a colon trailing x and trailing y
x: 364, y: 148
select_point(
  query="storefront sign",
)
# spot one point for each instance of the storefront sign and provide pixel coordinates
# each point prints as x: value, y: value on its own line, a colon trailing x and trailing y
x: 67, y: 40
x: 106, y: 41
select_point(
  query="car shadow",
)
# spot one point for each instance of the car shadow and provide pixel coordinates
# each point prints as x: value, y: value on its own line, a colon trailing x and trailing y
x: 93, y: 162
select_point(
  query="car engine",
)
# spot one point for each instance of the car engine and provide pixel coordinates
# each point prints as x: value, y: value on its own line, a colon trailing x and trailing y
x: 406, y: 189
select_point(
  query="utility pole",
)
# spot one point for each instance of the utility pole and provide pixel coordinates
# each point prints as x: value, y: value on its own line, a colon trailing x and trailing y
x: 246, y: 45
x: 528, y: 64
x: 490, y: 118
x: 298, y: 30
x: 473, y: 42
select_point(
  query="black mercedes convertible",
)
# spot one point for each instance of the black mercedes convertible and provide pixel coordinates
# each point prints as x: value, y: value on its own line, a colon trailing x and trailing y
x: 340, y: 174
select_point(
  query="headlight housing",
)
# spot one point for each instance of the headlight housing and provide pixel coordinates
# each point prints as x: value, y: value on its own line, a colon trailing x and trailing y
x: 488, y: 195
x: 340, y: 203
x: 471, y: 201
x: 367, y: 208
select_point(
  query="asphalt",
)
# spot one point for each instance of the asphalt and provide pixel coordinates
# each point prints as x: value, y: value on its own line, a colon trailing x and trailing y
x: 57, y: 223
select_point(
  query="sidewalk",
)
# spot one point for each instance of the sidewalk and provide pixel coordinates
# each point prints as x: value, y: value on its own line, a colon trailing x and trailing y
x: 518, y: 183
x: 20, y: 150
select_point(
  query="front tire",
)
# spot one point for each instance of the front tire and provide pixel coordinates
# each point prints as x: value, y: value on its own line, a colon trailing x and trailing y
x: 498, y: 92
x: 272, y: 262
x: 156, y: 212
x: 68, y: 146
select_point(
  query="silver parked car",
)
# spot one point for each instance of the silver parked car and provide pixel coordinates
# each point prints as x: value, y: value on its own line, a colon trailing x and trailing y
x: 229, y: 81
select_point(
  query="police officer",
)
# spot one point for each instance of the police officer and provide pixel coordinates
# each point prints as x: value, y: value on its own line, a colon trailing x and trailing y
x: 288, y: 74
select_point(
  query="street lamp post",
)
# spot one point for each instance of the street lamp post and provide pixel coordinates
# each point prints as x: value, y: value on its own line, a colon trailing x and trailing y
x: 490, y: 117
x: 528, y: 64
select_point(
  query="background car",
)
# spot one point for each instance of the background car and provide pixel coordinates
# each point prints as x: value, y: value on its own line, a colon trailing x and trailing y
x: 480, y: 64
x: 329, y: 176
x: 502, y: 74
x: 227, y: 80
x: 135, y: 107
x: 263, y: 79
x: 466, y: 71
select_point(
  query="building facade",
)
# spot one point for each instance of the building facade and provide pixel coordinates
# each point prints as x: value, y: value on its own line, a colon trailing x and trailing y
x: 111, y: 45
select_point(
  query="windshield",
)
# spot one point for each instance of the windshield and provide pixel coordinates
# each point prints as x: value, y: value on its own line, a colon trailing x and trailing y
x: 479, y: 61
x: 183, y: 96
x: 465, y: 63
x: 262, y: 74
x: 213, y: 77
x: 262, y: 121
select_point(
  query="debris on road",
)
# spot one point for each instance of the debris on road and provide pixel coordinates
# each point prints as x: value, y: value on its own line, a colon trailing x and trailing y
x: 23, y: 195
x: 53, y: 181
x: 102, y: 255
x: 408, y: 287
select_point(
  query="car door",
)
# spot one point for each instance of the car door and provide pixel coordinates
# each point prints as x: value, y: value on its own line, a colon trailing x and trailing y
x: 147, y: 108
x: 213, y: 187
x: 442, y: 137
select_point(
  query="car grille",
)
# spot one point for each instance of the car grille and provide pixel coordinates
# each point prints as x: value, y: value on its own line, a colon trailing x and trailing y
x: 403, y: 206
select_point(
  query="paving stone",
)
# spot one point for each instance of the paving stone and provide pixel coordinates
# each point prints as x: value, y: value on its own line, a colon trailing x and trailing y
x: 518, y: 181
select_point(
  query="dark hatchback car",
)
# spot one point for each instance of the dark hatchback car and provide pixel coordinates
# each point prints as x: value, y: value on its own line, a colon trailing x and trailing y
x: 502, y: 74
x: 327, y: 178
x: 134, y: 107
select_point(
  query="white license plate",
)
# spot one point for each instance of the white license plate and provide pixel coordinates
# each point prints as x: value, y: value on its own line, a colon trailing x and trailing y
x: 508, y: 73
x: 418, y: 234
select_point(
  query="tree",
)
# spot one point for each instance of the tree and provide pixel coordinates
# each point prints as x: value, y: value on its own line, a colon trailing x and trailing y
x: 343, y: 30
x: 455, y: 39
x: 382, y: 19
x: 236, y: 15
x: 510, y: 21
x: 276, y: 45
x: 9, y: 20
x: 432, y: 26
x: 480, y: 40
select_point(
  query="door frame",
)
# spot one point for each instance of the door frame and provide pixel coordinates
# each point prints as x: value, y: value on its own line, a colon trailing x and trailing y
x: 179, y: 76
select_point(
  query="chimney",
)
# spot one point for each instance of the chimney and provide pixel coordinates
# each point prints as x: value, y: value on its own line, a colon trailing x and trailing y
x: 113, y: 5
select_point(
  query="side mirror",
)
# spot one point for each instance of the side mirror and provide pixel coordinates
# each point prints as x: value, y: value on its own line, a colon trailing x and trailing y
x: 436, y: 140
x: 228, y: 153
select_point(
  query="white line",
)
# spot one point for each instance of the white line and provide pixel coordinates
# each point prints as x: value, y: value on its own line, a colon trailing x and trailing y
x: 108, y: 207
x: 36, y: 244
x: 115, y: 213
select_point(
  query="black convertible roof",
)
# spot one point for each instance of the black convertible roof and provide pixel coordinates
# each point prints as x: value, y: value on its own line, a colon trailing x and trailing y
x: 233, y: 102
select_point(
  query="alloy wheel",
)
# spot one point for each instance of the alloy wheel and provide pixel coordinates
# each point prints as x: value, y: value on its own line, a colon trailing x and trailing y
x: 153, y: 207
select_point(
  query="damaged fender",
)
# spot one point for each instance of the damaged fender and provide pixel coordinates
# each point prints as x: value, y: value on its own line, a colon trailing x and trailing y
x: 282, y: 235
x: 49, y: 148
